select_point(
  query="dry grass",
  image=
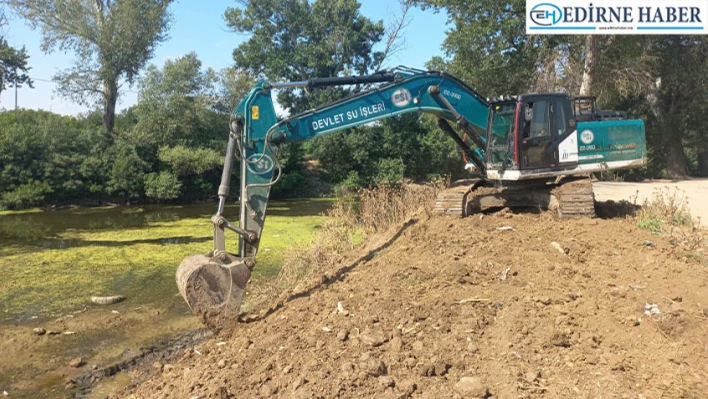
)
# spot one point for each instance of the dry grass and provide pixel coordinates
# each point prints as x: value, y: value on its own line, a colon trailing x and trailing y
x: 348, y: 224
x: 667, y: 213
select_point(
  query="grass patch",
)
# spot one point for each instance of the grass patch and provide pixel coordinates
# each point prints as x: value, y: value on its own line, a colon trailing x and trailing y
x: 667, y: 214
x: 54, y: 261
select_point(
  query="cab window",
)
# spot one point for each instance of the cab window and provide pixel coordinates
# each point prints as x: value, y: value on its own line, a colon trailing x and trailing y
x: 538, y: 125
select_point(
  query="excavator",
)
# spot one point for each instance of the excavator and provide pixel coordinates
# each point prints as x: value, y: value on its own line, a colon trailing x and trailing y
x: 530, y: 150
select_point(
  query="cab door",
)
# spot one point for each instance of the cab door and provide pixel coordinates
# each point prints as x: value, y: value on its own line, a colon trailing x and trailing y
x: 536, y: 135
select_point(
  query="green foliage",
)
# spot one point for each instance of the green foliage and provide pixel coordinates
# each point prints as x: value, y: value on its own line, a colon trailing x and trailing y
x: 190, y: 161
x: 25, y: 195
x: 352, y: 182
x: 298, y: 40
x: 127, y: 171
x: 232, y: 86
x: 289, y: 186
x: 162, y: 186
x: 407, y: 146
x: 112, y: 40
x: 389, y: 171
x: 13, y: 66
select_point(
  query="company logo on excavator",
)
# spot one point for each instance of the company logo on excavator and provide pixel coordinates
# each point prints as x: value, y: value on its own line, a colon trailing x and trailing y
x: 260, y: 164
x: 401, y: 97
x: 587, y: 136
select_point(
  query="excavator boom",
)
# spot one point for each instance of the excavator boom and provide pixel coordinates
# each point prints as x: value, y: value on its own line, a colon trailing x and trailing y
x: 213, y: 284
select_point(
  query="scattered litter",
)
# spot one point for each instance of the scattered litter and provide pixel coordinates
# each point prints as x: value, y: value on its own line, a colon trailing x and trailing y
x: 558, y: 247
x: 498, y: 305
x: 115, y: 312
x: 276, y: 235
x: 39, y: 331
x: 222, y: 343
x: 69, y: 333
x: 197, y: 352
x: 648, y: 243
x: 636, y: 287
x: 33, y: 317
x: 474, y: 300
x: 341, y: 310
x: 267, y: 250
x: 505, y: 228
x: 505, y: 273
x: 326, y: 329
x: 408, y: 330
x: 4, y: 393
x: 651, y: 309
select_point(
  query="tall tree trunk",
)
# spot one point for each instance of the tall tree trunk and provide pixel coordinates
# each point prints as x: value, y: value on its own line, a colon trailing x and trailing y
x: 675, y: 159
x: 590, y: 65
x: 110, y: 97
x: 703, y: 161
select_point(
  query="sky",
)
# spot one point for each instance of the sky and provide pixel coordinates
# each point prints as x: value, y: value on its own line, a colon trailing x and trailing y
x: 198, y: 26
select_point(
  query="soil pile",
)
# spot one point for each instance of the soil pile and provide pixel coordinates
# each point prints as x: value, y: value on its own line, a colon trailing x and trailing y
x: 504, y: 306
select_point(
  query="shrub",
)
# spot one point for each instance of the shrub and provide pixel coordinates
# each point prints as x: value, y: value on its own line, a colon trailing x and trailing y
x: 162, y: 186
x: 26, y: 195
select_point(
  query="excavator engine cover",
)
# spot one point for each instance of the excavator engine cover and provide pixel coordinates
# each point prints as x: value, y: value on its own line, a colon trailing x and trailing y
x: 213, y: 287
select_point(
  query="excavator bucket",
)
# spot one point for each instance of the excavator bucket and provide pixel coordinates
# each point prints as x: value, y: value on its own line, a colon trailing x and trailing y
x: 214, y: 288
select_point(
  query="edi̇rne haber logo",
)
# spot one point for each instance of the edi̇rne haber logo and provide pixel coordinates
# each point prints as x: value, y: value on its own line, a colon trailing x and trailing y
x: 612, y: 17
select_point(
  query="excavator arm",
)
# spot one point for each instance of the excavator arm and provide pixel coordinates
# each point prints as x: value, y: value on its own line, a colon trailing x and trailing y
x: 214, y: 284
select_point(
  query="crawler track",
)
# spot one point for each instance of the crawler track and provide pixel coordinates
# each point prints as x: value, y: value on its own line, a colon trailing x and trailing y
x: 575, y: 198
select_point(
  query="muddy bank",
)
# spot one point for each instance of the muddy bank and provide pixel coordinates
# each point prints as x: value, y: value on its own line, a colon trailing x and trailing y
x: 58, y: 358
x: 455, y: 308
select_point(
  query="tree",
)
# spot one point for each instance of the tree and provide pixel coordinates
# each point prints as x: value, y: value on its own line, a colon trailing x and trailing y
x: 232, y: 86
x: 173, y: 101
x: 13, y: 66
x: 299, y: 40
x: 162, y: 186
x: 13, y: 62
x: 126, y: 171
x: 113, y: 40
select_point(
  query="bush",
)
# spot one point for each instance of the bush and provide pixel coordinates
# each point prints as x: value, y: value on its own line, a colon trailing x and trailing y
x: 389, y: 171
x: 162, y: 186
x: 353, y: 182
x: 26, y: 195
x: 290, y: 185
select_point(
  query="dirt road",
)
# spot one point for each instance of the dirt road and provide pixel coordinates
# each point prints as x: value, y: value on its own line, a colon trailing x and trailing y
x: 696, y: 192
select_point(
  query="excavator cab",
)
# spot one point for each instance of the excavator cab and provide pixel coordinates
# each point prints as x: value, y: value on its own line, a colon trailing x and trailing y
x: 524, y: 132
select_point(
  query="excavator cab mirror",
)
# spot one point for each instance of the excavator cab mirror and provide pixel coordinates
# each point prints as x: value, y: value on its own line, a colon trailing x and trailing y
x: 571, y: 123
x: 528, y: 114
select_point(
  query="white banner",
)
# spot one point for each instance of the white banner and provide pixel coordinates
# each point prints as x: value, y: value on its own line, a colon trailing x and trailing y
x: 625, y: 17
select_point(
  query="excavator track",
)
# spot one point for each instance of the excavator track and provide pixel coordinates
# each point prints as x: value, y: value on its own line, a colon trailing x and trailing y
x: 453, y: 200
x: 575, y: 198
x: 571, y: 197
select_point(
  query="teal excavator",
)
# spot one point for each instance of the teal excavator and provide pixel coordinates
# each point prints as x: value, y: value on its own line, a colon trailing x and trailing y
x: 530, y: 150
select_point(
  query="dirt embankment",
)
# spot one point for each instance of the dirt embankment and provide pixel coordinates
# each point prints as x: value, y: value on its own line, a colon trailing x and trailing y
x: 425, y: 313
